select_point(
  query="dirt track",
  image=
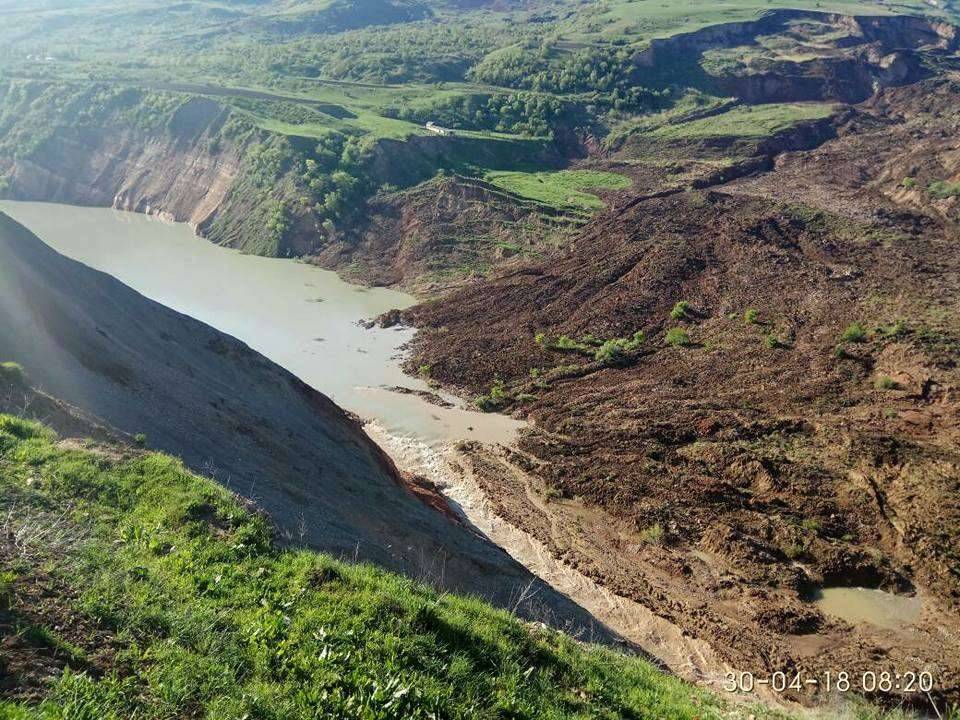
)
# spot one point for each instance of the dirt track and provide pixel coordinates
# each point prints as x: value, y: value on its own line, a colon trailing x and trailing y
x: 717, y: 483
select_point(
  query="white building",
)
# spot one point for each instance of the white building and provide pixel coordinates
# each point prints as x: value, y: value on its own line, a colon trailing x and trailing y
x: 434, y: 128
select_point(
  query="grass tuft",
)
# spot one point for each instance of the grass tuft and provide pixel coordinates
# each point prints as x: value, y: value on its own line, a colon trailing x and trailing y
x: 677, y: 337
x: 854, y: 333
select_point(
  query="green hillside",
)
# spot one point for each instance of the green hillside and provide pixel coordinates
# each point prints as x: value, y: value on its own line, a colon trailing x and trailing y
x: 132, y: 588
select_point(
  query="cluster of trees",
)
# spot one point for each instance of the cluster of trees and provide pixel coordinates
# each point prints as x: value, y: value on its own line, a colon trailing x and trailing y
x: 418, y: 52
x: 32, y: 110
x: 334, y: 179
x: 608, y: 75
x: 283, y: 179
x: 288, y: 112
x: 522, y: 113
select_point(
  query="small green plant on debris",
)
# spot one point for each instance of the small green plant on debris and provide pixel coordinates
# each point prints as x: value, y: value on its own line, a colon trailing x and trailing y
x: 680, y: 311
x: 616, y: 350
x: 496, y: 398
x: 609, y: 351
x: 772, y: 342
x: 677, y: 337
x: 654, y: 535
x: 854, y: 333
x: 885, y: 382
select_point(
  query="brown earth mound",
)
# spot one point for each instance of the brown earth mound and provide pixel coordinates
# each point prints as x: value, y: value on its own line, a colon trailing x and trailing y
x: 792, y: 423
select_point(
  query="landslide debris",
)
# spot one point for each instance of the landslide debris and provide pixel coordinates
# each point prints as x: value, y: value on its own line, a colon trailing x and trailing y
x: 790, y: 420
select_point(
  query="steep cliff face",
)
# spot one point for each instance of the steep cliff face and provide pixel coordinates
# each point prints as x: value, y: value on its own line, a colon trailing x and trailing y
x: 187, y: 157
x: 197, y: 159
x: 177, y: 172
x: 834, y: 57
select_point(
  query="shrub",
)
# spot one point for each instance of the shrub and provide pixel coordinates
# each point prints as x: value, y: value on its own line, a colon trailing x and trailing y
x: 7, y: 581
x: 751, y: 316
x: 495, y: 399
x: 551, y: 493
x: 772, y: 342
x: 140, y: 439
x: 567, y: 343
x: 677, y: 337
x: 909, y: 183
x: 811, y: 524
x: 943, y: 190
x: 793, y: 551
x: 680, y: 310
x: 654, y: 535
x: 886, y: 383
x: 855, y: 333
x: 13, y: 373
x: 615, y: 350
x: 424, y: 371
x: 563, y: 343
x: 897, y: 329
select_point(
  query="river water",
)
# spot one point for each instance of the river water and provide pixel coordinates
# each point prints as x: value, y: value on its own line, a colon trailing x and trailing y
x: 301, y: 317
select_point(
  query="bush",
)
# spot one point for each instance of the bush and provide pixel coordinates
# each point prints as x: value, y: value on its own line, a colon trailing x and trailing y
x: 617, y: 349
x: 886, y: 383
x: 811, y: 524
x: 897, y: 329
x: 909, y: 183
x: 140, y: 440
x: 854, y: 333
x: 677, y: 337
x: 772, y: 342
x: 751, y: 316
x: 793, y: 551
x: 13, y: 373
x: 943, y: 190
x: 680, y: 310
x: 496, y: 398
x: 654, y: 535
x: 565, y: 343
x: 7, y: 581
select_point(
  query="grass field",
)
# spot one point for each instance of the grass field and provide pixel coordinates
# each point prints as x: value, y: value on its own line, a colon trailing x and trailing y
x: 643, y: 20
x: 745, y: 121
x: 561, y: 189
x: 181, y: 605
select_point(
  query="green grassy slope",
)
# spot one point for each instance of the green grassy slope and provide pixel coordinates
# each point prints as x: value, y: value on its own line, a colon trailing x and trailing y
x: 561, y: 189
x: 746, y: 121
x: 162, y: 596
